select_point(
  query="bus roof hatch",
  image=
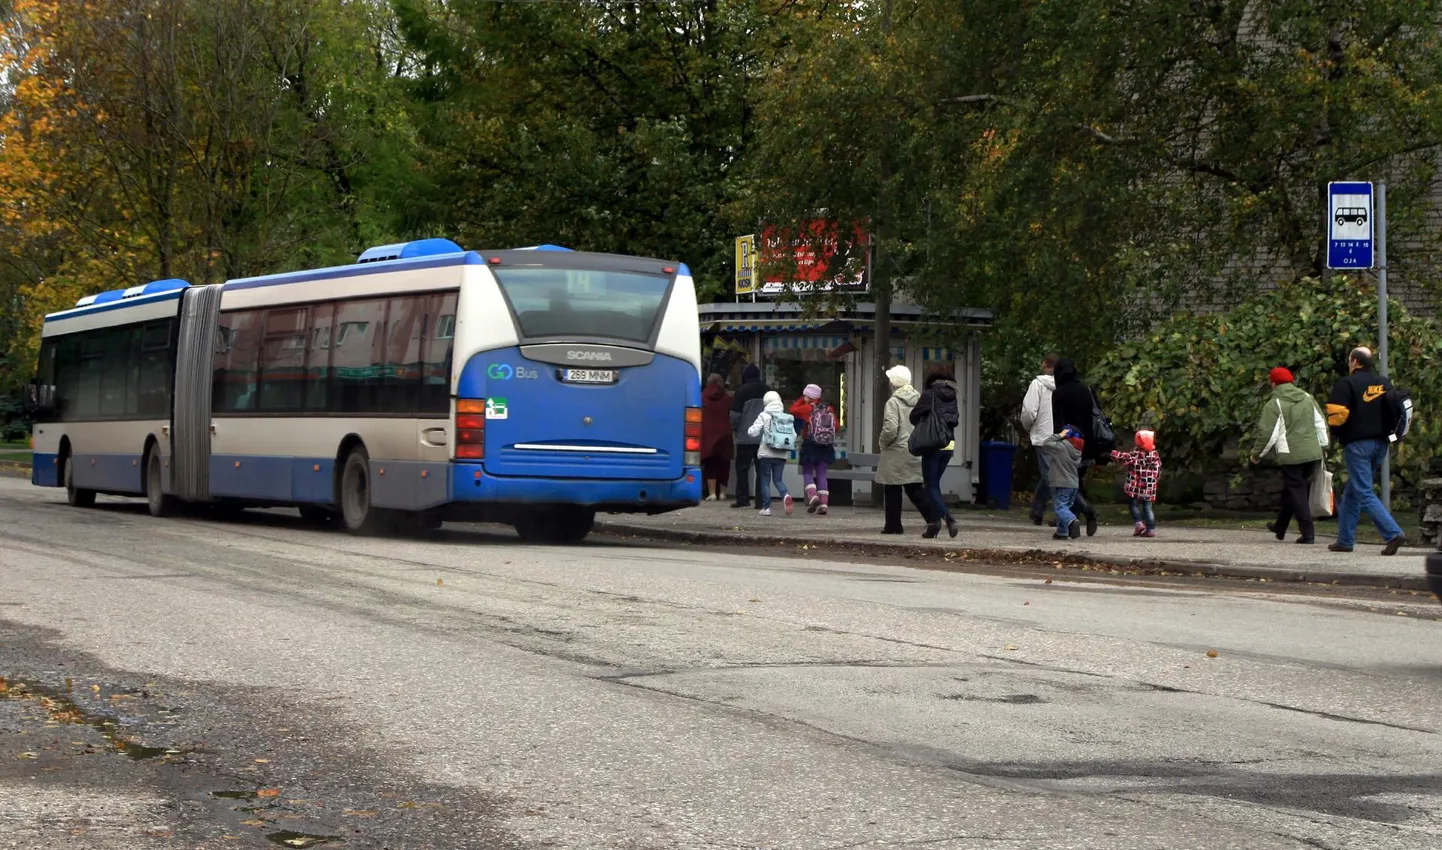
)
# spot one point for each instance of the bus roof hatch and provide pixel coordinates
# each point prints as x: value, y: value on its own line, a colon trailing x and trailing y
x: 408, y: 250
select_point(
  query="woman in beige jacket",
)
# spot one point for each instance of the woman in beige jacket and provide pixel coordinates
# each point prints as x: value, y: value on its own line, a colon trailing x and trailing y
x: 897, y: 469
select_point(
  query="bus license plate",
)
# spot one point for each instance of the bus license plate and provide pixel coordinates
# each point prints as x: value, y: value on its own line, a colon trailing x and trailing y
x: 589, y: 376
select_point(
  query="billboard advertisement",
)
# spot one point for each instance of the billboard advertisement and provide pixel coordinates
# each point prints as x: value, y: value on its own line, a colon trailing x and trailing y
x: 818, y: 259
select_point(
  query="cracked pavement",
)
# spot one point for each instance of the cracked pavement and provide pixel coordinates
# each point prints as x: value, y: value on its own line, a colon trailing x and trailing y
x: 464, y: 690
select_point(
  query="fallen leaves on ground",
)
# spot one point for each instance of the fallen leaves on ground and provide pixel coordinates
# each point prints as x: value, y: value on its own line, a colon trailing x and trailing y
x: 1211, y: 653
x: 268, y: 792
x: 359, y: 813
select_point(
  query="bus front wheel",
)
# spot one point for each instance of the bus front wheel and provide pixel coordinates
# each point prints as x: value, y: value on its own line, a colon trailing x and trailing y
x: 359, y: 515
x: 160, y: 503
x: 556, y: 525
x: 77, y: 497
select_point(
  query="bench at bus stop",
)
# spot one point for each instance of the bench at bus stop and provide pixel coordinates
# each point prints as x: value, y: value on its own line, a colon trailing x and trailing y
x: 860, y: 467
x: 842, y: 476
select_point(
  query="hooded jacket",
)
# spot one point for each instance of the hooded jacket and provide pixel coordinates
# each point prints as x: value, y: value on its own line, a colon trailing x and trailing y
x: 897, y: 465
x: 1064, y: 458
x: 773, y: 407
x: 716, y: 437
x: 1036, y: 409
x: 747, y: 404
x: 1300, y: 417
x: 941, y: 397
x: 1071, y: 404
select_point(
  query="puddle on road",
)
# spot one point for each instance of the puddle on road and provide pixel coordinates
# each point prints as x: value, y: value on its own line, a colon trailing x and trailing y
x: 286, y: 838
x: 62, y: 709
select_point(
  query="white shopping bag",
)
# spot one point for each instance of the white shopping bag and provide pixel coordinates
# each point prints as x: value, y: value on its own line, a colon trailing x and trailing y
x: 1321, y: 497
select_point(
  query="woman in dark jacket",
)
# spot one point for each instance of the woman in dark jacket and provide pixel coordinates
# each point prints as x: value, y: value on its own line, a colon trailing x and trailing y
x: 938, y: 395
x: 1071, y: 404
x: 716, y: 445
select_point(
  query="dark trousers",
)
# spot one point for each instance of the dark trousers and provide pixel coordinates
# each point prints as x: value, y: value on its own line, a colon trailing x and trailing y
x: 1080, y: 506
x: 891, y: 495
x: 1296, y: 497
x: 933, y: 464
x: 745, y: 463
x: 715, y: 470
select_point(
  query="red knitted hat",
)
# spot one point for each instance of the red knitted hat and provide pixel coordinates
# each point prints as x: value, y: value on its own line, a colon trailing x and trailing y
x: 1280, y: 375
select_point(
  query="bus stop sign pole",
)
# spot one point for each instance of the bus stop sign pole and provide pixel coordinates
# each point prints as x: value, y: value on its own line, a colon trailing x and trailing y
x: 1350, y: 221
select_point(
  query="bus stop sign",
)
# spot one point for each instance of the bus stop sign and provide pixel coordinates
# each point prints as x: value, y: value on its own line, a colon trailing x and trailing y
x: 1349, y: 225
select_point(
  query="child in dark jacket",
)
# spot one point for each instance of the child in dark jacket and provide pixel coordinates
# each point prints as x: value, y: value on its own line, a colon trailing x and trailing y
x: 1064, y: 453
x: 1144, y: 470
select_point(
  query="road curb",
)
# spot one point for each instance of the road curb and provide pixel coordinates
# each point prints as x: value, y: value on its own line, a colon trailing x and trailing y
x: 1037, y: 557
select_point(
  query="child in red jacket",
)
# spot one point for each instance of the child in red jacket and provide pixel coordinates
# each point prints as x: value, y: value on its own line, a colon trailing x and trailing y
x: 1144, y: 469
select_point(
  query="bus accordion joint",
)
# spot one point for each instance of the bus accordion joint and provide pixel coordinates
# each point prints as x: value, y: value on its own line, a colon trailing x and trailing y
x: 470, y: 429
x: 693, y: 436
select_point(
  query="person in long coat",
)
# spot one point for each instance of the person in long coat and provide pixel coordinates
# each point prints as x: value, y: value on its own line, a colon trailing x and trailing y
x: 1291, y: 431
x: 717, y: 447
x: 898, y: 470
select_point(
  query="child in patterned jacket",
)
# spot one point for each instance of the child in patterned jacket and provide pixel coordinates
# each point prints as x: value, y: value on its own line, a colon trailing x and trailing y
x: 1144, y: 469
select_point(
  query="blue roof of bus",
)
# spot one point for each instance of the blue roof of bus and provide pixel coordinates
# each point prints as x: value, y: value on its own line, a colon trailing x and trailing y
x: 116, y: 298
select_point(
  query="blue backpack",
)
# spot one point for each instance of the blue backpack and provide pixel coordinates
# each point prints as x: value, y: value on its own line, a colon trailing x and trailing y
x: 780, y: 434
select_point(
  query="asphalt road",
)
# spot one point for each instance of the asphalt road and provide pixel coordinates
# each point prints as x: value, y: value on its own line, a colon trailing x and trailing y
x: 464, y: 690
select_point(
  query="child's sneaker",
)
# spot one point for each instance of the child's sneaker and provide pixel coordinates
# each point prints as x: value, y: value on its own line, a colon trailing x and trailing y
x: 813, y: 504
x: 764, y: 512
x: 1060, y: 537
x: 1139, y: 530
x: 1149, y: 533
x: 1074, y: 530
x: 790, y: 504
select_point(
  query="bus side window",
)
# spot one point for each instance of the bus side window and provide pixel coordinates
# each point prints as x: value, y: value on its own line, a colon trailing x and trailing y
x: 317, y: 358
x: 436, y: 355
x: 236, y: 367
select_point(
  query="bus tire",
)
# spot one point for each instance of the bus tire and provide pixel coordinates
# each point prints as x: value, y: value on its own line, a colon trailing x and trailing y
x: 77, y: 497
x: 561, y: 526
x: 160, y: 503
x: 356, y: 511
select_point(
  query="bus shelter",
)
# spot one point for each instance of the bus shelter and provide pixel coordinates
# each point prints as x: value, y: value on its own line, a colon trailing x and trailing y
x: 840, y: 353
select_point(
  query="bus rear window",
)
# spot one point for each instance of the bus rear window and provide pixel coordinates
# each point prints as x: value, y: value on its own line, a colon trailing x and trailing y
x: 554, y: 302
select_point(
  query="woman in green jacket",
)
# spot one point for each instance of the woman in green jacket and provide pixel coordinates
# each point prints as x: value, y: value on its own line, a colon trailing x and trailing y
x: 1293, y: 430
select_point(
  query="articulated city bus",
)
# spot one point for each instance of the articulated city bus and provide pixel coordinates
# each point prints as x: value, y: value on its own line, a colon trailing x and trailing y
x: 425, y: 383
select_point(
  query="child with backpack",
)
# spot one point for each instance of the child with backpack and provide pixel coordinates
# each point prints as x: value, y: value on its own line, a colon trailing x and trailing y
x: 777, y: 430
x: 818, y: 446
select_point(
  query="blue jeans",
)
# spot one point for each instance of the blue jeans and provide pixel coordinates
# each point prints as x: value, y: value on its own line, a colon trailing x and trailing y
x: 1064, y: 516
x: 933, y: 464
x: 1364, y: 459
x: 771, y: 469
x: 1142, y: 512
x: 1043, y: 489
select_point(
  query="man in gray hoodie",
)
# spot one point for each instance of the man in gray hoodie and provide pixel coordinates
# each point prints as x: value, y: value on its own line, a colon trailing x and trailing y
x: 1036, y: 419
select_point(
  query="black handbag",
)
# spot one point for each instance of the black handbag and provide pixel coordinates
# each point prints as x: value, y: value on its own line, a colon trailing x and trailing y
x: 931, y: 434
x: 1104, y: 439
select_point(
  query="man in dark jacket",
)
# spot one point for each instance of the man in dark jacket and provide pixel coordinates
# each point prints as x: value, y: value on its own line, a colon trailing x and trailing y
x: 1071, y: 404
x: 745, y: 407
x: 1362, y: 422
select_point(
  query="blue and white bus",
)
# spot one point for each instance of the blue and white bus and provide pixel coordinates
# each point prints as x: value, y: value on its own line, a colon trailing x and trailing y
x: 532, y: 387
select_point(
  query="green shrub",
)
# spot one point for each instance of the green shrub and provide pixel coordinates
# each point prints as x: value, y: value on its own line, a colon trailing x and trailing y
x: 1200, y: 381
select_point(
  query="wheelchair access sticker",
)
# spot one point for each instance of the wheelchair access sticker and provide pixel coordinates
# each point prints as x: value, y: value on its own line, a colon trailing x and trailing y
x: 496, y: 408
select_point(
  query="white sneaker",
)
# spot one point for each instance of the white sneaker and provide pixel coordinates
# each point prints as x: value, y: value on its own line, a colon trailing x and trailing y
x: 765, y: 512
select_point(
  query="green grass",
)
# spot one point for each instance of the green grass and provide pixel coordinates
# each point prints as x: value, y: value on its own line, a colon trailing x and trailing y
x: 15, y: 452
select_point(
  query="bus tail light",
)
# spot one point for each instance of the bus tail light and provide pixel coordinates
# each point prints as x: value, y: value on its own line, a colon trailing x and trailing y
x: 693, y: 436
x: 470, y: 429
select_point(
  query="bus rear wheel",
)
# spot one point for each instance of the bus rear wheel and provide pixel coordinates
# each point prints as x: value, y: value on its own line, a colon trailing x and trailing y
x: 357, y: 512
x: 160, y: 503
x: 556, y: 525
x: 77, y: 497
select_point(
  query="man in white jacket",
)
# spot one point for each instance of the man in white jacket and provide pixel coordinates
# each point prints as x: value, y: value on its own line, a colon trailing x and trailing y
x: 1036, y: 418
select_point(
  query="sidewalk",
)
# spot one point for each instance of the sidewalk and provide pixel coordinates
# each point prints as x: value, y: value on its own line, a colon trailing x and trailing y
x: 1011, y: 538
